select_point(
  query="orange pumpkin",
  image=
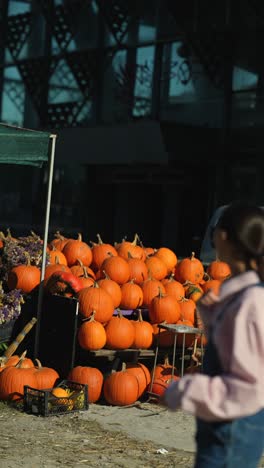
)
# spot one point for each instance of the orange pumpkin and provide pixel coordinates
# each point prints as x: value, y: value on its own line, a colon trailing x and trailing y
x: 50, y: 269
x: 101, y: 252
x: 156, y: 267
x: 132, y: 296
x: 125, y: 248
x: 58, y: 242
x: 121, y: 388
x: 168, y: 257
x: 163, y: 337
x: 45, y: 376
x: 213, y: 285
x: 143, y: 333
x: 138, y: 269
x: 187, y: 309
x: 151, y: 288
x: 142, y: 374
x: 164, y: 371
x: 173, y: 288
x: 117, y: 269
x: 90, y: 376
x: 159, y: 386
x: 193, y: 291
x: 164, y: 308
x: 76, y: 250
x: 96, y: 298
x: 24, y: 277
x: 56, y: 256
x: 218, y: 270
x: 91, y: 334
x: 78, y: 270
x: 113, y: 288
x: 120, y: 333
x: 189, y: 269
x: 13, y: 380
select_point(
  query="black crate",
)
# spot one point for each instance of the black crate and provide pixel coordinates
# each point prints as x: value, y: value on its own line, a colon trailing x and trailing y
x: 43, y: 403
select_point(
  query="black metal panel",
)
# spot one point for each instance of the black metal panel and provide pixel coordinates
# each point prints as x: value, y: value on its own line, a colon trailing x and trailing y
x: 119, y: 14
x: 19, y: 29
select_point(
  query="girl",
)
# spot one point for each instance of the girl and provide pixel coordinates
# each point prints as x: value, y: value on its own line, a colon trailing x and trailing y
x: 228, y: 398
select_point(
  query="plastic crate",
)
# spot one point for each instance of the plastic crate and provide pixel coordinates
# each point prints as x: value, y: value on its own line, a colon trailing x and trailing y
x: 43, y: 403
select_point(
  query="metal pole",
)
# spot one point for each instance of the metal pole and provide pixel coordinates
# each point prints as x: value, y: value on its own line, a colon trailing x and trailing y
x: 45, y: 242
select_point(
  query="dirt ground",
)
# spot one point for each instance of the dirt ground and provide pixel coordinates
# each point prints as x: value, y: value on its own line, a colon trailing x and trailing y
x: 103, y: 436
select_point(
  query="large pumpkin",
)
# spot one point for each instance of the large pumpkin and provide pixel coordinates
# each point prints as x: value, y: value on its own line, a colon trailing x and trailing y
x: 24, y: 277
x: 151, y: 288
x: 91, y: 334
x: 132, y: 296
x: 164, y: 308
x: 117, y: 269
x: 142, y: 374
x: 75, y: 250
x: 90, y: 376
x: 218, y: 270
x: 12, y: 381
x: 120, y: 333
x: 96, y: 298
x: 168, y: 257
x: 45, y: 376
x: 121, y: 388
x: 101, y: 252
x: 189, y: 269
x: 143, y: 333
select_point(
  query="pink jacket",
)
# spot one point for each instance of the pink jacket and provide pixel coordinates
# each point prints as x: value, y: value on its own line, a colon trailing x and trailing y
x: 239, y: 338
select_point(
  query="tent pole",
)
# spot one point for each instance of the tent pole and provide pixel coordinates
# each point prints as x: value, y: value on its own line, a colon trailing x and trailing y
x: 45, y: 243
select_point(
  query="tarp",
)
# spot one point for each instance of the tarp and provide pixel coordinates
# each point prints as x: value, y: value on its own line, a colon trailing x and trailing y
x: 23, y: 146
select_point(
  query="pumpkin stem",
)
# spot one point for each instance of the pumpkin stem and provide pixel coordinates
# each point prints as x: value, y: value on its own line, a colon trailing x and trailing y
x: 99, y: 239
x: 160, y: 293
x: 129, y: 255
x: 39, y: 365
x: 123, y: 367
x: 85, y: 274
x: 183, y: 299
x: 106, y: 275
x: 193, y: 255
x: 95, y: 285
x: 80, y: 263
x: 120, y: 315
x: 21, y: 359
x: 79, y: 237
x: 166, y: 360
x: 134, y: 242
x: 91, y: 318
x: 28, y: 263
x: 206, y: 277
x: 57, y: 260
x: 58, y: 235
x: 140, y: 316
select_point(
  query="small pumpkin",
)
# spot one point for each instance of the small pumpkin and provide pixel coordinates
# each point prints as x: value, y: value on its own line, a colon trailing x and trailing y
x: 164, y: 308
x: 112, y: 287
x: 143, y: 333
x: 50, y: 269
x: 138, y: 269
x: 24, y: 277
x: 173, y: 287
x: 91, y: 334
x: 168, y: 257
x: 120, y: 332
x: 96, y: 298
x: 159, y: 386
x: 56, y: 256
x: 193, y: 291
x: 58, y: 242
x: 213, y: 285
x: 131, y: 296
x: 75, y: 250
x: 218, y: 270
x: 126, y: 248
x: 189, y: 269
x: 78, y: 269
x: 156, y: 267
x: 101, y: 252
x: 151, y: 288
x: 164, y: 370
x: 187, y: 309
x: 117, y: 269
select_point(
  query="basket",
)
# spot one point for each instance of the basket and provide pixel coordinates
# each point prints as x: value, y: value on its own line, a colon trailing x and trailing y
x: 43, y: 403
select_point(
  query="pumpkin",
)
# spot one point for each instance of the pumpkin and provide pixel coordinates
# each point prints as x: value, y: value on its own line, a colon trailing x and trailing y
x: 143, y: 333
x: 213, y: 285
x: 86, y: 280
x: 58, y: 242
x: 117, y: 269
x: 138, y: 269
x: 151, y: 288
x: 190, y: 269
x: 56, y: 256
x: 78, y: 270
x: 12, y: 381
x: 24, y: 277
x: 159, y: 386
x: 101, y: 252
x: 63, y: 283
x: 156, y: 267
x: 121, y: 388
x: 164, y: 371
x: 50, y: 269
x: 24, y: 362
x: 173, y: 287
x: 126, y: 248
x: 76, y: 250
x: 96, y: 298
x: 218, y: 270
x: 163, y: 337
x: 131, y: 296
x: 59, y: 392
x: 91, y: 334
x: 142, y: 374
x: 120, y: 333
x: 149, y: 251
x: 112, y: 287
x: 46, y: 376
x: 88, y: 376
x: 187, y: 309
x: 168, y: 257
x: 193, y: 291
x: 164, y: 308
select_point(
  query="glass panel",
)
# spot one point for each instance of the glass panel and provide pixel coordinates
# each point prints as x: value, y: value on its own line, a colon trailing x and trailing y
x: 13, y: 99
x: 244, y: 79
x: 18, y: 8
x: 146, y: 33
x: 63, y: 86
x: 180, y: 76
x: 143, y: 81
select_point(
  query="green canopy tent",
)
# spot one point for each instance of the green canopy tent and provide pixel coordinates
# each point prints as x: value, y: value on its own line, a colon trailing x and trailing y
x: 32, y: 148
